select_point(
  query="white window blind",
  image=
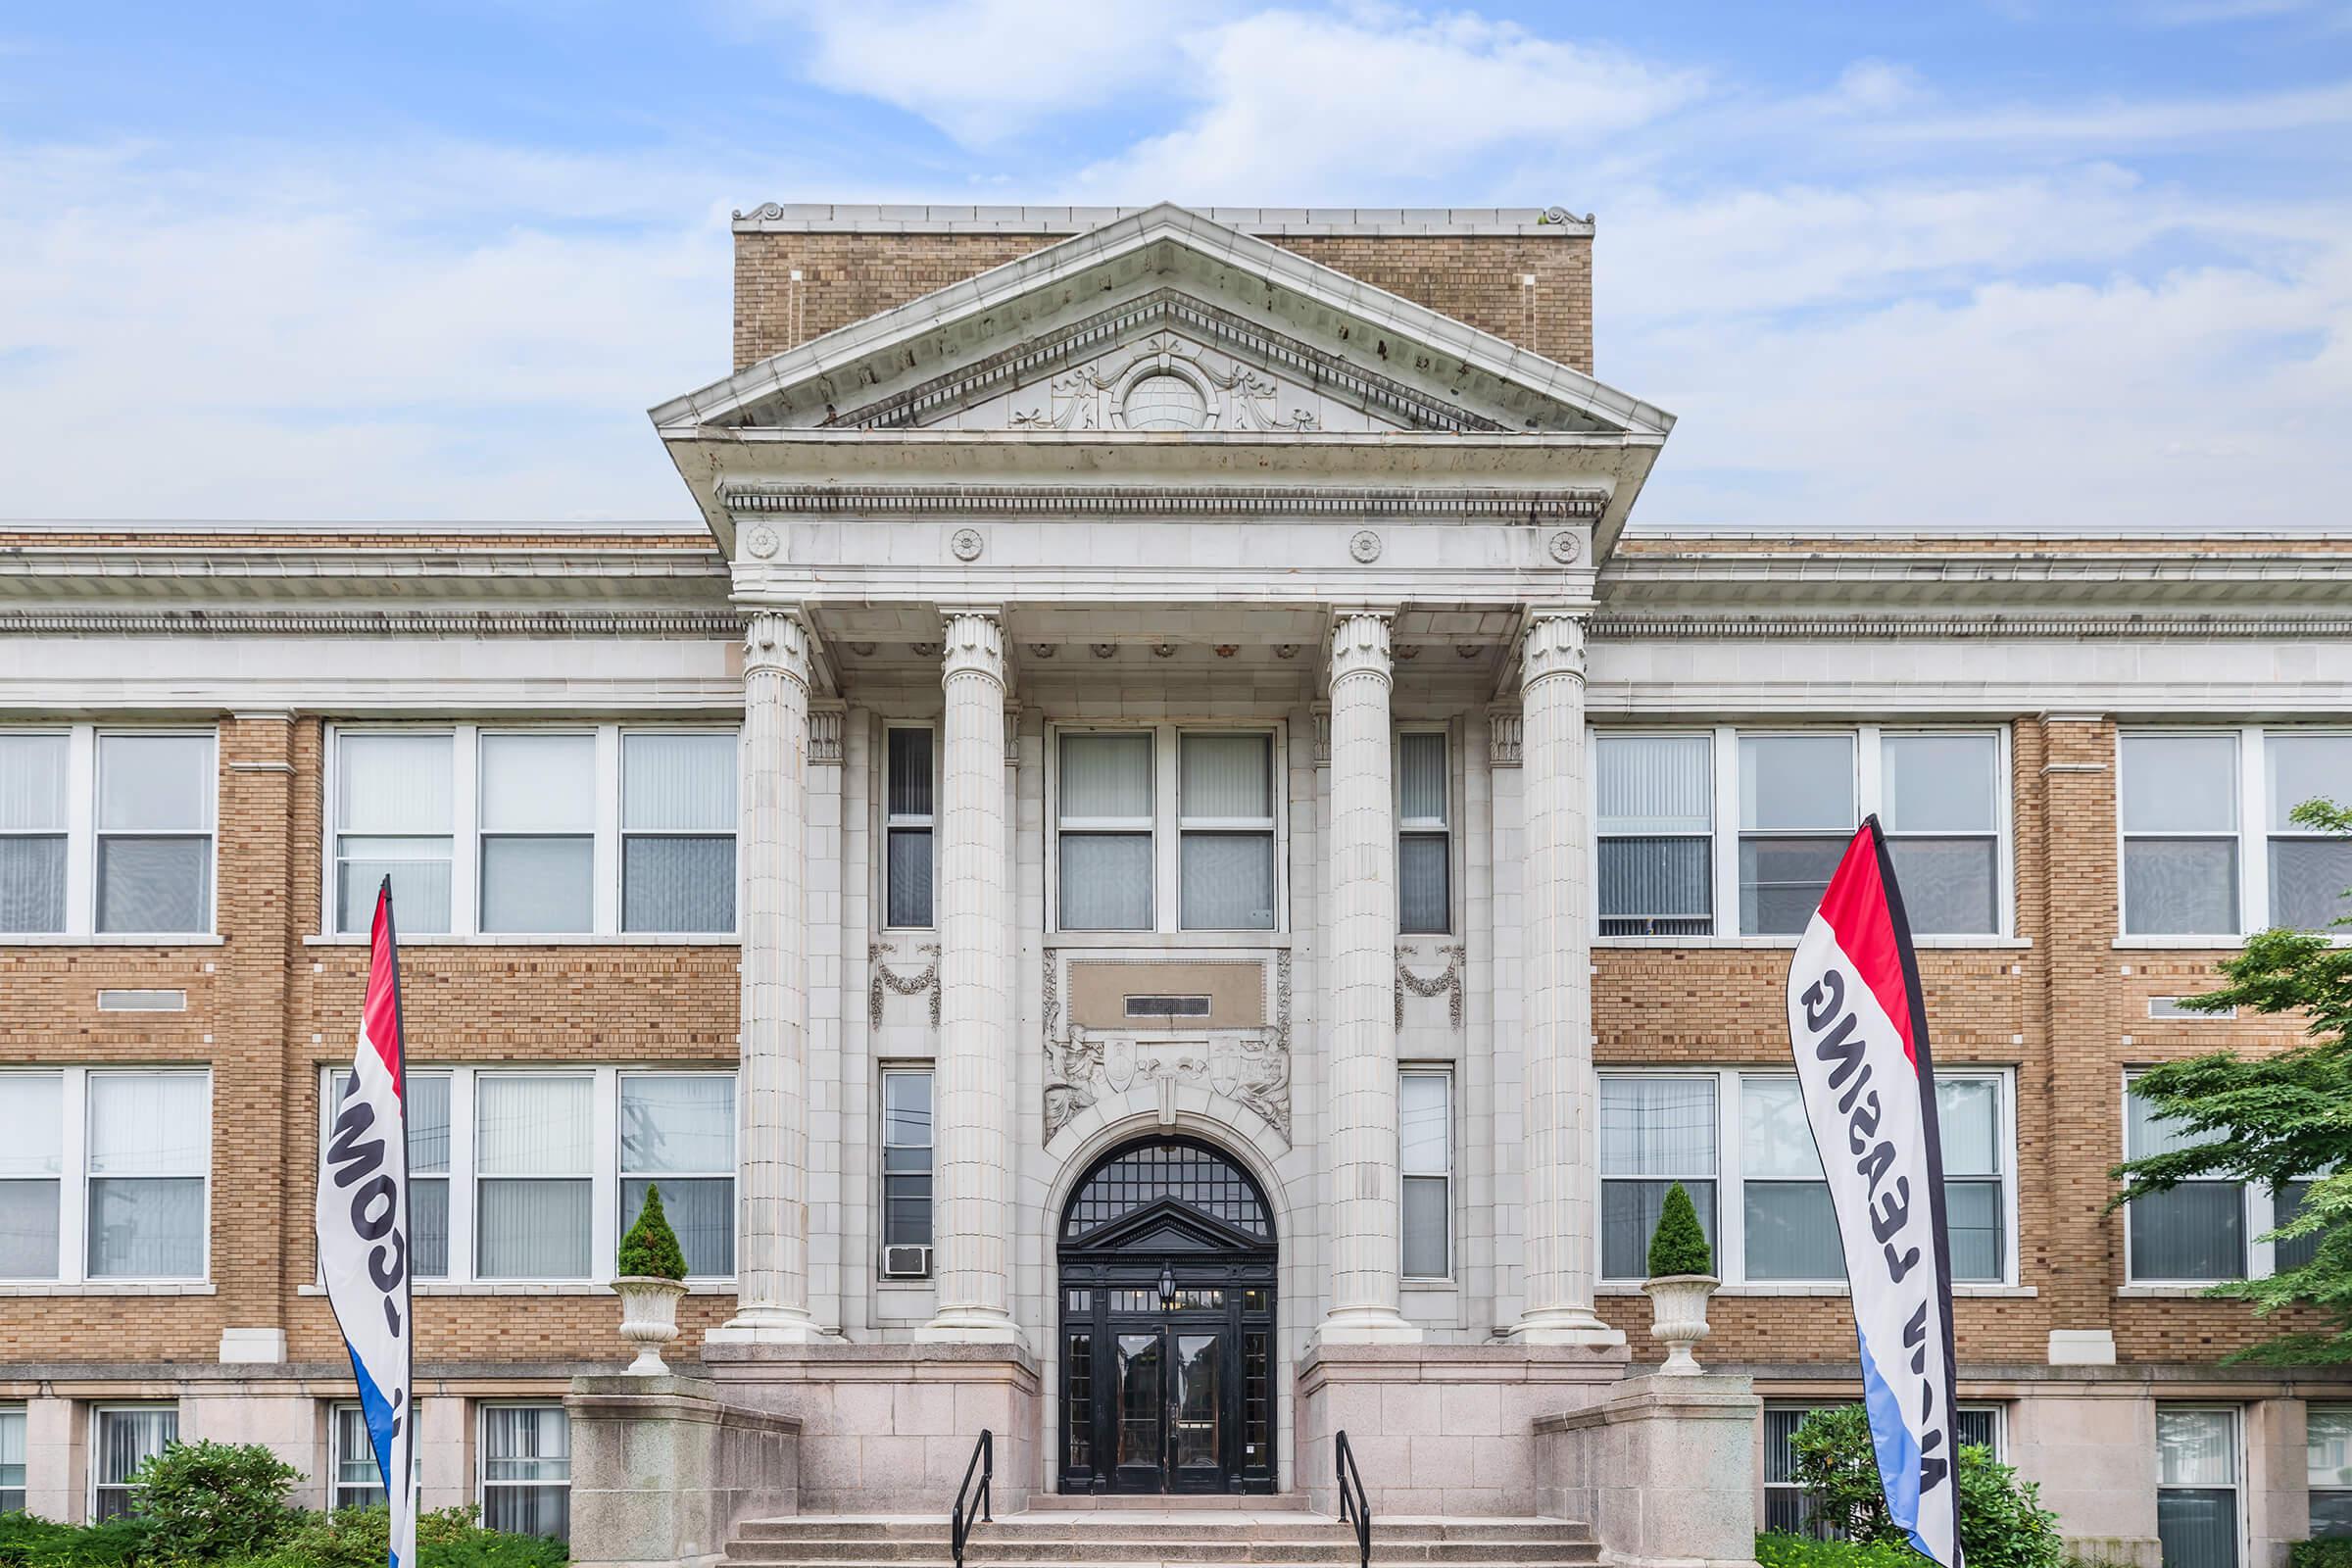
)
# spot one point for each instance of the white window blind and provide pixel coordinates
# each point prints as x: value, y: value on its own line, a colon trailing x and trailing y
x: 11, y: 1458
x: 121, y: 1438
x: 1654, y: 816
x: 1654, y: 1133
x: 2328, y: 1468
x: 155, y: 833
x: 148, y: 1143
x: 2197, y: 1230
x: 538, y: 833
x: 34, y: 823
x: 32, y: 1121
x: 1424, y: 840
x: 1225, y: 804
x: 2309, y: 871
x: 2197, y: 1486
x: 527, y: 1469
x: 1796, y: 812
x: 1424, y: 1146
x: 1106, y: 842
x: 1942, y: 825
x: 394, y: 816
x: 534, y: 1142
x: 2179, y: 804
x: 677, y: 1131
x: 678, y: 819
x: 1790, y: 1226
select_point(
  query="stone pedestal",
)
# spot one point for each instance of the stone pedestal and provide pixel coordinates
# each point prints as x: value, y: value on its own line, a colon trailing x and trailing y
x: 1441, y: 1429
x: 1662, y: 1468
x: 663, y: 1471
x: 889, y: 1427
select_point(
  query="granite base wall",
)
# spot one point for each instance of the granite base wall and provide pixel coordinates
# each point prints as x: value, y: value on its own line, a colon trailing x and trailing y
x: 1662, y: 1468
x: 663, y: 1471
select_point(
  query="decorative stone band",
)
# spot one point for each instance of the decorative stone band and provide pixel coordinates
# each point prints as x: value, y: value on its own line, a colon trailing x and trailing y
x: 1359, y: 646
x: 1555, y: 646
x: 974, y: 645
x: 1628, y: 628
x: 777, y: 640
x: 374, y: 624
x: 1306, y: 504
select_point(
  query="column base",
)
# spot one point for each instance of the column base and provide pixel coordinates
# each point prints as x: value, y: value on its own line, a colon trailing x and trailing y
x: 769, y: 1325
x: 1566, y: 1325
x: 1366, y: 1325
x: 971, y: 1325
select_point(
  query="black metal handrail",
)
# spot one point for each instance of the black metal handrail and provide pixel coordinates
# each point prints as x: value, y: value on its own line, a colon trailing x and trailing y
x: 1355, y: 1508
x: 984, y: 1461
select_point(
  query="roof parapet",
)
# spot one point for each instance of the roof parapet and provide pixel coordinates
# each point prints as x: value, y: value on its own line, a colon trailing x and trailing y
x: 837, y: 218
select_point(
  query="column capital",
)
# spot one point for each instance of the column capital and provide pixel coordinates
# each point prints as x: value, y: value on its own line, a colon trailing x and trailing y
x: 777, y: 641
x: 1359, y: 645
x: 973, y: 644
x: 1505, y: 728
x: 1555, y: 646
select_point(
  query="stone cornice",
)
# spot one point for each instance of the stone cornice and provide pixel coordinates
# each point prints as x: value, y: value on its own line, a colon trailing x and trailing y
x: 1606, y: 627
x: 1038, y: 502
x: 715, y: 623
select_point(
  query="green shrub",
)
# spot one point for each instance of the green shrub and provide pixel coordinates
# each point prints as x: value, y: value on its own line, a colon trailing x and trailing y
x: 652, y: 1247
x: 1777, y: 1551
x: 2329, y: 1553
x: 2002, y: 1522
x: 29, y: 1543
x: 1679, y: 1245
x: 204, y: 1501
x: 446, y: 1538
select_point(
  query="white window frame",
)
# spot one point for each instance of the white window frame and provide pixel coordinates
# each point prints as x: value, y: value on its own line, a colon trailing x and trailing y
x: 623, y: 832
x: 883, y: 1146
x: 335, y: 1484
x: 2237, y: 1466
x: 893, y: 820
x: 1168, y: 830
x: 74, y: 1178
x: 82, y: 839
x: 2000, y: 1444
x: 17, y: 1413
x: 2311, y: 1487
x: 466, y: 836
x: 483, y: 1486
x: 1443, y: 1074
x: 2259, y: 738
x: 2257, y: 1209
x: 1731, y: 1218
x: 1710, y: 838
x: 98, y: 1414
x: 604, y: 1226
x: 622, y: 1175
x: 1869, y: 799
x: 1442, y: 827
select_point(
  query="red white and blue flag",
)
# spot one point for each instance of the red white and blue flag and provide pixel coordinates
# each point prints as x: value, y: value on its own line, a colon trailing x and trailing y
x: 1860, y: 1033
x: 364, y: 1229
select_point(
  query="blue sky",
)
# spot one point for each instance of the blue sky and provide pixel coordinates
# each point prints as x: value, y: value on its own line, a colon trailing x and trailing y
x: 2010, y: 260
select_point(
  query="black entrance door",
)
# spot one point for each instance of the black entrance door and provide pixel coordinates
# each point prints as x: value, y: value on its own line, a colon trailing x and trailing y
x: 1167, y: 1324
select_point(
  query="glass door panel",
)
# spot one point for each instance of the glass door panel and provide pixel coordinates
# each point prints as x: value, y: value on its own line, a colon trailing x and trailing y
x: 1200, y: 1451
x: 1142, y: 1395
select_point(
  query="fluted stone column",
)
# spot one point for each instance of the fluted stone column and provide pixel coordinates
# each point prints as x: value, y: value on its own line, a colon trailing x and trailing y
x: 972, y: 1136
x: 1360, y: 1039
x: 771, y: 1275
x: 1557, y: 1037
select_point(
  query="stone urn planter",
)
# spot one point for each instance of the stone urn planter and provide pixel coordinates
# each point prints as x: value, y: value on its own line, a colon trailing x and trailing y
x: 1677, y: 1317
x: 649, y: 1318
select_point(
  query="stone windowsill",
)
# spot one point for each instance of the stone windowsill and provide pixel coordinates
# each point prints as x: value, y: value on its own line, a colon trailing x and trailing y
x: 2163, y: 1293
x: 567, y: 939
x: 1995, y: 1292
x: 1996, y: 944
x: 111, y: 1288
x: 1083, y: 942
x: 532, y: 1288
x: 112, y: 939
x: 2214, y: 944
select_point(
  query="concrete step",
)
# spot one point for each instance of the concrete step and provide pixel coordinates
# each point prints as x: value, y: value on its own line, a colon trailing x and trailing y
x: 1056, y: 1527
x: 1024, y: 1548
x: 1205, y: 1502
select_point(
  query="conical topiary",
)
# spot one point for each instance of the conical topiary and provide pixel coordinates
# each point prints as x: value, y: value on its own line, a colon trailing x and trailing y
x: 1679, y: 1245
x: 650, y: 1248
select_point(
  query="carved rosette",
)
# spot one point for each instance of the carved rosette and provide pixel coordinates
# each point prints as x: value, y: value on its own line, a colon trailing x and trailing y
x: 1359, y: 646
x: 974, y: 645
x: 777, y: 641
x: 1555, y: 646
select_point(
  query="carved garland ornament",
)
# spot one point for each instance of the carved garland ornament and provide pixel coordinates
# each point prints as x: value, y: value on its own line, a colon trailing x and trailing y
x: 911, y: 985
x: 1079, y: 1068
x: 1448, y: 984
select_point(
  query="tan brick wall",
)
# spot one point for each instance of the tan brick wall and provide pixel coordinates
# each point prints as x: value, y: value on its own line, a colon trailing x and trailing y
x: 1472, y: 277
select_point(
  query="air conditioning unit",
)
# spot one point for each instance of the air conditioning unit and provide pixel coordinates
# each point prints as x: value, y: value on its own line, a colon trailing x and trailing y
x: 906, y: 1262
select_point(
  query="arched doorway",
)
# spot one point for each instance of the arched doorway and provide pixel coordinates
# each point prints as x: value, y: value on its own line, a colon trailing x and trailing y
x: 1167, y: 1323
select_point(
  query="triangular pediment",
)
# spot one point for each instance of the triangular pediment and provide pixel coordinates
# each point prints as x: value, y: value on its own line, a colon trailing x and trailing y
x: 1271, y: 341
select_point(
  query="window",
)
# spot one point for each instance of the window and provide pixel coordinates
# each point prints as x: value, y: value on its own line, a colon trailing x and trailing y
x: 533, y: 1137
x: 535, y: 1174
x: 2197, y: 1486
x: 538, y: 816
x: 2328, y: 1467
x: 155, y: 832
x: 1424, y: 843
x: 1655, y: 815
x: 1225, y: 826
x: 1774, y: 1222
x: 2196, y: 1232
x: 1796, y: 812
x: 358, y: 1480
x: 427, y: 1095
x: 910, y: 793
x: 677, y: 831
x: 906, y: 1157
x: 1105, y: 809
x: 2308, y: 873
x: 1425, y: 1146
x: 119, y: 1161
x: 1786, y: 1506
x: 11, y: 1458
x: 122, y: 1438
x: 527, y: 1469
x: 679, y: 1130
x: 34, y: 828
x: 1654, y: 1133
x: 2286, y: 1204
x: 394, y: 817
x: 2178, y: 805
x: 1941, y: 816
